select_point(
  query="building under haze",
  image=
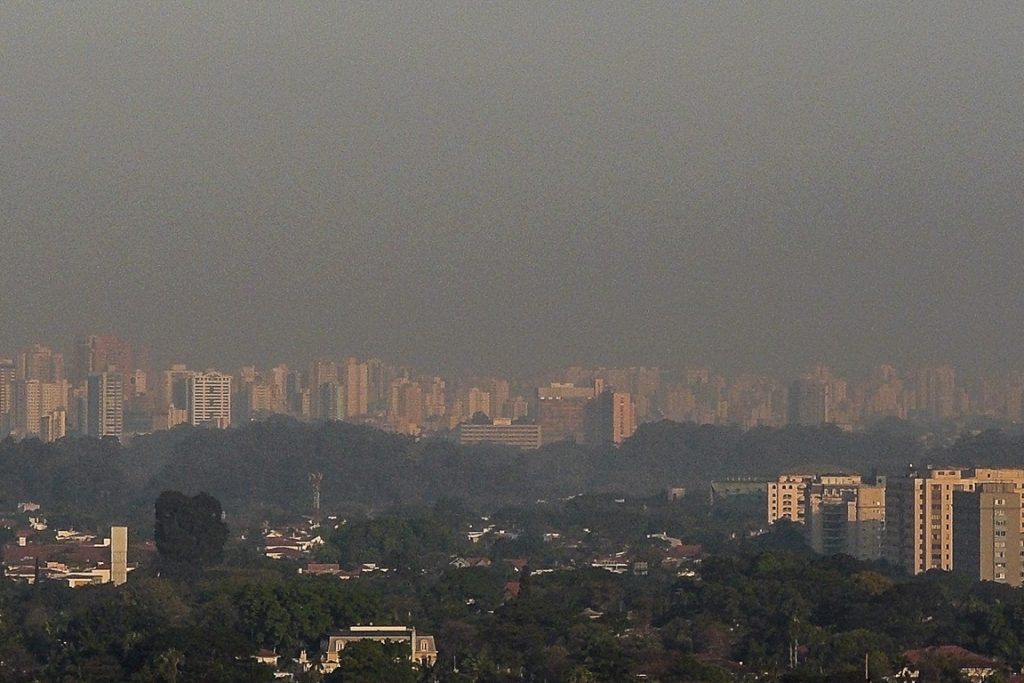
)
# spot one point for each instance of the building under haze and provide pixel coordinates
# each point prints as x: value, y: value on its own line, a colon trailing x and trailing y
x: 209, y: 399
x: 501, y: 431
x: 357, y: 388
x: 41, y: 363
x: 610, y: 418
x: 808, y: 402
x: 105, y: 405
x: 103, y: 353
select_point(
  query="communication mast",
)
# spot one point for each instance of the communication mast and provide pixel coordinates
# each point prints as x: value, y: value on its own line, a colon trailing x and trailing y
x: 315, y: 479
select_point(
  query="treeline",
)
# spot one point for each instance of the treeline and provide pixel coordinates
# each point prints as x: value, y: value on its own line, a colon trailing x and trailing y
x: 763, y: 615
x: 262, y: 469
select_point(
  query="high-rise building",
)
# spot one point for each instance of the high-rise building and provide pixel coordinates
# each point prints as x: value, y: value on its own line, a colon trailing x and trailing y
x: 937, y: 392
x: 808, y: 402
x: 174, y: 387
x: 846, y: 515
x: 610, y: 418
x: 787, y: 498
x: 476, y: 401
x: 41, y: 363
x: 356, y: 388
x: 8, y: 373
x: 321, y: 373
x: 27, y: 407
x: 53, y: 425
x: 209, y: 399
x: 331, y: 401
x: 919, y: 513
x: 987, y: 543
x: 102, y: 353
x: 561, y: 411
x: 105, y: 405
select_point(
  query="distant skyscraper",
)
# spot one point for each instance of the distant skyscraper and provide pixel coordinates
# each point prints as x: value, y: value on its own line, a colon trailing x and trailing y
x: 209, y: 399
x: 331, y: 401
x: 610, y: 418
x: 27, y: 407
x: 808, y: 402
x: 174, y: 387
x: 477, y: 401
x: 8, y: 373
x: 357, y: 379
x: 41, y: 363
x: 102, y: 353
x: 561, y: 411
x: 105, y: 406
x: 936, y: 392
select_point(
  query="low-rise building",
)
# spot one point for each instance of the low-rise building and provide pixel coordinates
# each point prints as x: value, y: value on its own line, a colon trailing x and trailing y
x: 501, y: 431
x: 422, y: 649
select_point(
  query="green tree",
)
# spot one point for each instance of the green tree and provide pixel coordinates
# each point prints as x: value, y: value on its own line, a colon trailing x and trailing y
x: 368, y: 661
x: 190, y: 531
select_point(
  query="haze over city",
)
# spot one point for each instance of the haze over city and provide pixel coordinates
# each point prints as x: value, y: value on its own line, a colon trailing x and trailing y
x: 515, y: 187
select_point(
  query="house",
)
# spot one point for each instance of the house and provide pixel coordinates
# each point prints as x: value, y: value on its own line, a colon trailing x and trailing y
x: 422, y: 649
x: 468, y: 562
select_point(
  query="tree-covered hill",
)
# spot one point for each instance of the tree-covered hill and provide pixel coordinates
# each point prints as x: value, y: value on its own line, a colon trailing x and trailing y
x: 263, y: 468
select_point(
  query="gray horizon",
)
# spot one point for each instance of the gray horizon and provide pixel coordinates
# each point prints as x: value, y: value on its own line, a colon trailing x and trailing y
x: 509, y: 187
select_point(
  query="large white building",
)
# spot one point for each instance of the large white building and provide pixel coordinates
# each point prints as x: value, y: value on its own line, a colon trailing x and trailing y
x: 105, y: 405
x: 209, y: 399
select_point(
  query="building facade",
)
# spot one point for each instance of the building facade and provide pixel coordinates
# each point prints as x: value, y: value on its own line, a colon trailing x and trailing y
x: 501, y: 431
x: 105, y: 405
x: 209, y: 399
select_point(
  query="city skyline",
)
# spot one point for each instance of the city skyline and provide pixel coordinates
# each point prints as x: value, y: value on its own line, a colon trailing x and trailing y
x: 111, y: 387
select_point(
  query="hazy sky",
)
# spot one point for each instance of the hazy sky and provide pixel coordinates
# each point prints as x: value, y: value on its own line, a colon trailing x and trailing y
x: 517, y: 185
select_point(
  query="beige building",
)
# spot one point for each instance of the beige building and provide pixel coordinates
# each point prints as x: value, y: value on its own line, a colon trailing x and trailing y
x: 787, y: 498
x: 846, y: 515
x: 919, y: 531
x: 422, y: 649
x: 357, y: 385
x: 841, y: 513
x: 987, y: 544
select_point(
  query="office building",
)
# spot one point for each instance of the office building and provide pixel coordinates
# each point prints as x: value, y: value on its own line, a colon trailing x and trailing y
x: 8, y: 374
x: 501, y: 431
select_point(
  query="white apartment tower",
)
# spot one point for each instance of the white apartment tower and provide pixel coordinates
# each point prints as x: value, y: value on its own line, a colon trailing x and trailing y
x: 105, y: 405
x: 209, y: 399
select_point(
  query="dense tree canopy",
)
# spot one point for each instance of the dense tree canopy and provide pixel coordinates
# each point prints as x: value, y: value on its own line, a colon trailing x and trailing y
x: 190, y: 531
